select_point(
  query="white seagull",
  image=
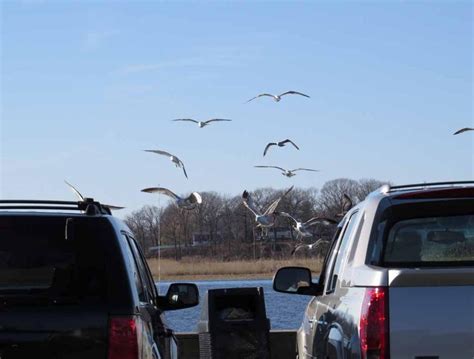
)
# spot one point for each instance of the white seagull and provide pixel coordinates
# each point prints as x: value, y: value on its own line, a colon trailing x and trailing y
x: 279, y: 144
x: 465, y: 129
x: 173, y: 159
x: 267, y: 218
x: 288, y: 173
x: 189, y: 202
x: 202, y: 124
x: 302, y: 228
x: 309, y: 246
x: 277, y: 98
x: 84, y: 199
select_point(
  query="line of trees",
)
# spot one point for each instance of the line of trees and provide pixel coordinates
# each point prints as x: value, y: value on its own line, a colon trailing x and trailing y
x: 230, y: 227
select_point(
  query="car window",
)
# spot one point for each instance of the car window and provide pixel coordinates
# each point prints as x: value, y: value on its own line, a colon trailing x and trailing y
x: 339, y: 252
x: 143, y: 269
x: 37, y: 260
x: 447, y: 240
x: 136, y: 274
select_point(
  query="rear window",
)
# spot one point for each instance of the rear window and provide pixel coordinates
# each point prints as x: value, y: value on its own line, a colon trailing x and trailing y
x: 431, y: 241
x: 43, y: 260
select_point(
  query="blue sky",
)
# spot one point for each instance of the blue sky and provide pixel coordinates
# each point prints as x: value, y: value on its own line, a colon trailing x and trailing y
x: 86, y: 86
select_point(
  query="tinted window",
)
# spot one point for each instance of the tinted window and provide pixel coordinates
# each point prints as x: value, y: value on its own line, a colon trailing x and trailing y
x: 134, y: 267
x: 341, y: 249
x: 36, y: 259
x: 144, y: 273
x: 431, y: 241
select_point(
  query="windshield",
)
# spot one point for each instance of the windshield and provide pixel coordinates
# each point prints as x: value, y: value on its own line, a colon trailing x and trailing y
x: 447, y: 240
x: 39, y: 259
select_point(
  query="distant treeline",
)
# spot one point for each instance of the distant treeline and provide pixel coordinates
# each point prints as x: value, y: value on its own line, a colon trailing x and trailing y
x: 225, y: 229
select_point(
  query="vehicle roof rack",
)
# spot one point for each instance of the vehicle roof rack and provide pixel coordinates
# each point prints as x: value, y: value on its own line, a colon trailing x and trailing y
x: 428, y: 185
x: 88, y: 206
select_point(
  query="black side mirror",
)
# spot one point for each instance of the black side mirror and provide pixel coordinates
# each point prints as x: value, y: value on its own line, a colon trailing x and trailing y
x: 180, y: 296
x: 295, y: 280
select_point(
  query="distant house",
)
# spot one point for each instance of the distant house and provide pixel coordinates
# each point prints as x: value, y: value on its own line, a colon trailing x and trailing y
x: 202, y: 239
x: 278, y: 233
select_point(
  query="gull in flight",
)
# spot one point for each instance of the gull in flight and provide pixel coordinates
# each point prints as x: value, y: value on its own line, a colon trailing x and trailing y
x: 465, y: 129
x: 267, y: 218
x: 309, y: 246
x: 279, y: 144
x: 84, y: 199
x: 173, y: 159
x: 277, y: 98
x: 189, y: 202
x: 202, y: 124
x: 288, y: 173
x: 302, y: 228
x: 346, y: 205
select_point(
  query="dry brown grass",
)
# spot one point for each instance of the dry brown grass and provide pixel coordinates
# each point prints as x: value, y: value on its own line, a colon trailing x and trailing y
x: 204, y: 268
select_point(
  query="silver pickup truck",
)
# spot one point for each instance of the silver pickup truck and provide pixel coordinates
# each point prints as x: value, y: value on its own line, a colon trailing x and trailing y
x: 398, y: 279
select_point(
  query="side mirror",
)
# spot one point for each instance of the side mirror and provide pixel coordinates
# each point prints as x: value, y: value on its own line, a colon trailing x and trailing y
x: 295, y: 280
x: 180, y: 296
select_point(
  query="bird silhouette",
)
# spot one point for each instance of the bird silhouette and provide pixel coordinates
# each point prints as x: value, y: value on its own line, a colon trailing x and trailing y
x: 277, y: 98
x: 279, y: 144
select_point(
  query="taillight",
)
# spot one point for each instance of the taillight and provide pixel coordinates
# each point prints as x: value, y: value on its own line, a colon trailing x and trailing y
x: 374, y: 324
x: 123, y: 338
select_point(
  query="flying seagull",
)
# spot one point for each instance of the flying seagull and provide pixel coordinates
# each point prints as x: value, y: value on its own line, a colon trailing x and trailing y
x: 302, y: 228
x: 309, y: 246
x: 189, y: 202
x: 279, y: 144
x: 277, y: 98
x: 465, y: 129
x: 202, y: 124
x: 267, y: 218
x: 173, y: 159
x: 346, y: 205
x: 288, y: 173
x: 83, y: 199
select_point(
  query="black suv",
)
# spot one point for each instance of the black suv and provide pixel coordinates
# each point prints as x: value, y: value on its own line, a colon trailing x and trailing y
x: 75, y: 284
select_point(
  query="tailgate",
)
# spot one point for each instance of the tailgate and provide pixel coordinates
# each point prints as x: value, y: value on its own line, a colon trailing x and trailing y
x: 66, y: 333
x: 431, y: 313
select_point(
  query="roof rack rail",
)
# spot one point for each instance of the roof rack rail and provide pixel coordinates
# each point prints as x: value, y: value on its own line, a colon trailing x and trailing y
x: 88, y: 206
x: 388, y: 188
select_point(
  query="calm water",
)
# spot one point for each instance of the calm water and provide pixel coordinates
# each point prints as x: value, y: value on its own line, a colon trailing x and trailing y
x: 285, y: 311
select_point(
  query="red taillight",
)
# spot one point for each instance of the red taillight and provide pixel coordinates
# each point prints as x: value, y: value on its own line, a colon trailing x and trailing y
x: 374, y: 324
x: 123, y: 338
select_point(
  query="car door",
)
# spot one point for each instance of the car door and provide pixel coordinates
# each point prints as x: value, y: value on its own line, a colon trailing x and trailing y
x: 147, y: 301
x: 169, y: 344
x: 327, y: 331
x: 307, y: 331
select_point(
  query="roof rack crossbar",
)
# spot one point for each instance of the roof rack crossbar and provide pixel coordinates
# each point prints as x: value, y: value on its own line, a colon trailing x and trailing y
x: 88, y: 206
x: 41, y: 207
x: 430, y: 184
x: 34, y: 201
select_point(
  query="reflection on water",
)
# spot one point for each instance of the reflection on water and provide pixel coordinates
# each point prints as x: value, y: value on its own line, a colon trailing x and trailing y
x: 285, y: 311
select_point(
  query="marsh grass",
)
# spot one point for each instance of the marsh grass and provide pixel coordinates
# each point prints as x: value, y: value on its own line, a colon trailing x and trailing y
x: 203, y: 268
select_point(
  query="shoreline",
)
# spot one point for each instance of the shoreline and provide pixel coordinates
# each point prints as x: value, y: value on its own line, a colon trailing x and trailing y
x: 202, y: 269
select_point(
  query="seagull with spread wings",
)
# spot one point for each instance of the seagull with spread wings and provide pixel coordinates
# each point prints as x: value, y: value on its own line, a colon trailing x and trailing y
x: 173, y: 159
x: 288, y: 173
x: 465, y: 129
x: 84, y: 199
x: 302, y: 228
x: 202, y: 124
x: 309, y: 246
x: 188, y: 203
x: 279, y: 144
x: 267, y: 218
x: 277, y: 98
